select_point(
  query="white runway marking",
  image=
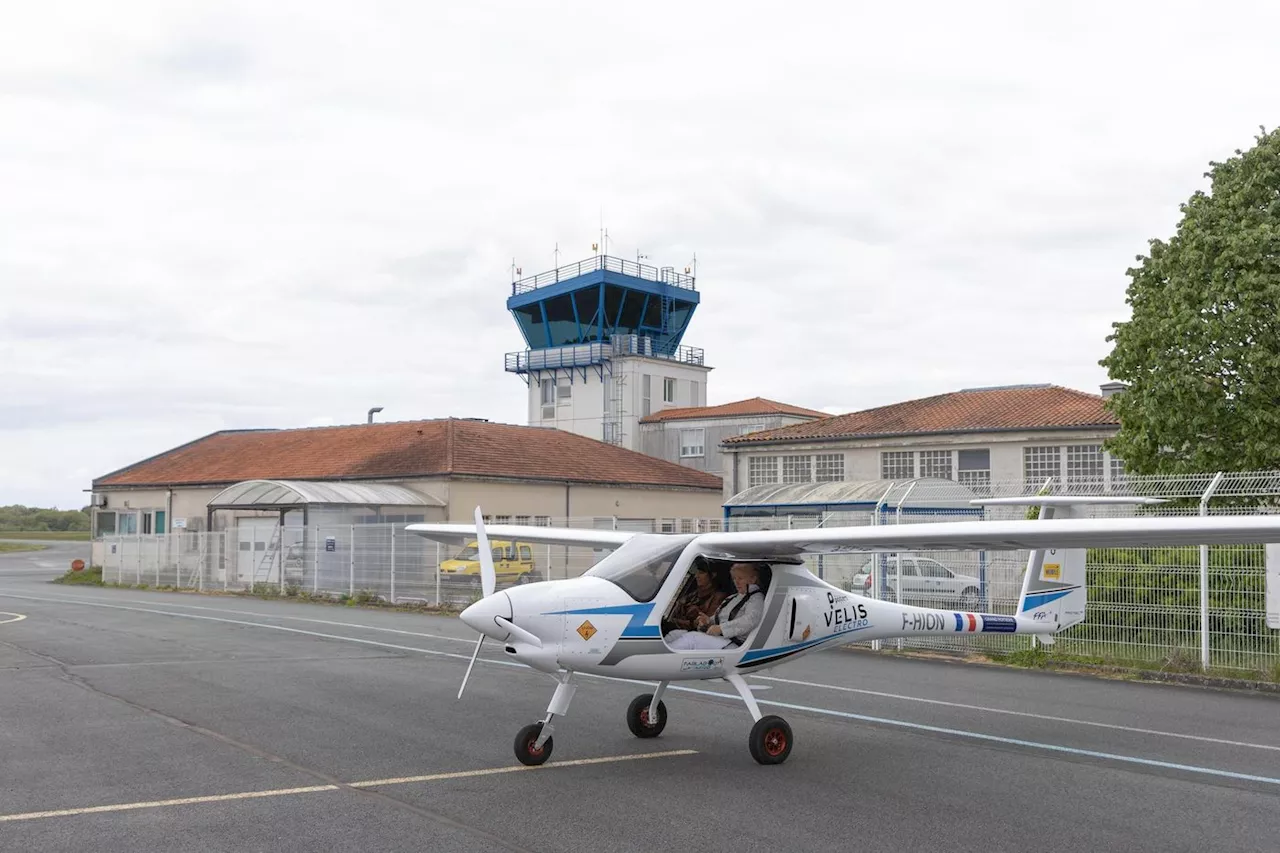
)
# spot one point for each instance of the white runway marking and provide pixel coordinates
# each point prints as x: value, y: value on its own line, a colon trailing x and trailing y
x: 13, y: 617
x: 1111, y: 756
x: 733, y: 697
x: 1018, y: 713
x: 312, y: 789
x: 463, y: 640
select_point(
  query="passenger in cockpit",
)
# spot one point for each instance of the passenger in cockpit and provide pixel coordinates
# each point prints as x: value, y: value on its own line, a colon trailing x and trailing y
x: 703, y: 600
x: 737, y: 617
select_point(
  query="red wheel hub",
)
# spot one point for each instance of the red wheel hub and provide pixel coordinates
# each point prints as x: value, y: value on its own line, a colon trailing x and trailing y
x: 644, y: 717
x: 775, y: 741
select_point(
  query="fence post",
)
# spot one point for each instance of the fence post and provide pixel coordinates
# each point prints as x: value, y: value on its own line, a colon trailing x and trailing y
x: 1204, y: 577
x: 897, y: 568
x: 393, y: 564
x: 351, y: 554
x: 877, y: 582
x: 315, y: 561
x: 159, y: 546
x: 437, y: 574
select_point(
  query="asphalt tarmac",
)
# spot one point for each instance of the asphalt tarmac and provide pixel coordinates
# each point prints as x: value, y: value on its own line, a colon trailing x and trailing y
x: 141, y: 721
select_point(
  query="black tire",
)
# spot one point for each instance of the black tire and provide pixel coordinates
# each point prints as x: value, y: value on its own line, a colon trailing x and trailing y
x: 969, y: 599
x: 771, y: 740
x: 638, y: 717
x: 524, y: 745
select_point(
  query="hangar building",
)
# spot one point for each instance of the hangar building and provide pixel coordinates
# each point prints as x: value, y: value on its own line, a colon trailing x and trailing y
x: 400, y: 472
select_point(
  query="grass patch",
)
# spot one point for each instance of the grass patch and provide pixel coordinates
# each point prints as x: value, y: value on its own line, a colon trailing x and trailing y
x: 89, y: 576
x: 10, y: 547
x: 50, y: 535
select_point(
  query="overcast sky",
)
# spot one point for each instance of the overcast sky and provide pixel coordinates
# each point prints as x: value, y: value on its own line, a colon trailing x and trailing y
x: 222, y: 215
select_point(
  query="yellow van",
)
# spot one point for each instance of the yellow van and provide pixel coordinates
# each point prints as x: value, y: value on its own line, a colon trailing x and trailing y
x: 512, y: 563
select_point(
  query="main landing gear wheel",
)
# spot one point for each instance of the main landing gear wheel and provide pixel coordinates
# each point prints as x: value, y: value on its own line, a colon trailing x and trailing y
x: 638, y: 717
x: 770, y: 740
x: 525, y: 751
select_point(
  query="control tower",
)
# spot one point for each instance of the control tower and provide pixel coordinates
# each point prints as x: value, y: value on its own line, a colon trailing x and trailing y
x: 605, y: 347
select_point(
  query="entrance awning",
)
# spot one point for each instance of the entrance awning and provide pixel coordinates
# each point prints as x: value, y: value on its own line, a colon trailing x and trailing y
x: 285, y: 494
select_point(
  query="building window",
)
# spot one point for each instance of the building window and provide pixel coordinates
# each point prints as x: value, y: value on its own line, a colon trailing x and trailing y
x: 1117, y: 471
x: 828, y: 467
x: 743, y: 430
x: 668, y: 390
x: 973, y: 470
x: 797, y: 469
x: 1041, y: 463
x: 1085, y: 463
x: 646, y: 407
x: 695, y: 393
x: 548, y: 391
x: 502, y: 519
x: 897, y: 465
x: 522, y: 519
x: 693, y: 442
x: 762, y: 470
x: 542, y: 521
x: 563, y: 396
x: 106, y: 524
x: 935, y: 463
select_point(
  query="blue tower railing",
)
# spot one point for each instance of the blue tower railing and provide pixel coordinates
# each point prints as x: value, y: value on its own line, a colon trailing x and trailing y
x: 665, y: 275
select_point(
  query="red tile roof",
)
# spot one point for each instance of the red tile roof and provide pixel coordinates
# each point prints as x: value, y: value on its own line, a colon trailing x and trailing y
x: 1030, y: 407
x: 432, y: 448
x: 754, y: 406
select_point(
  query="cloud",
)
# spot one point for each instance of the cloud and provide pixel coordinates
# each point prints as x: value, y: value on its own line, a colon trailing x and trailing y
x: 246, y: 215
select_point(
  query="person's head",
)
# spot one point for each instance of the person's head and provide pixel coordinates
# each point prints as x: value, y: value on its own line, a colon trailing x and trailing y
x: 703, y: 575
x: 744, y: 575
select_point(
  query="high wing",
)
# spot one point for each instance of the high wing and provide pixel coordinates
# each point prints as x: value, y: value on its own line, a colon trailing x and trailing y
x: 463, y: 534
x: 1000, y: 535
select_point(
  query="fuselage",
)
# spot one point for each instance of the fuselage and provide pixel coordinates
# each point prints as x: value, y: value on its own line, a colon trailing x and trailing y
x: 604, y: 626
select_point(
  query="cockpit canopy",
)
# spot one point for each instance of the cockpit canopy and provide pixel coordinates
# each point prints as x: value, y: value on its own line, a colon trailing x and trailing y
x: 642, y: 563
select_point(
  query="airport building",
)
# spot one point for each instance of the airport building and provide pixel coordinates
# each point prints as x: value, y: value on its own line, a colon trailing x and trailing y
x: 692, y: 435
x: 1018, y: 434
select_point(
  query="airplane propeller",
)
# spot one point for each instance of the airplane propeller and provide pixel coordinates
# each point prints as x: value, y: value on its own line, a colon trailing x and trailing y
x: 488, y: 581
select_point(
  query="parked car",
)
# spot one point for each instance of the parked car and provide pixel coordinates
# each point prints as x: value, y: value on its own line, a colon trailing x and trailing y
x: 512, y: 563
x: 920, y: 578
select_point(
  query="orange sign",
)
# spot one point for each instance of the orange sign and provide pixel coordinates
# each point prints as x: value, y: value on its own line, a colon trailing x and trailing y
x: 587, y: 630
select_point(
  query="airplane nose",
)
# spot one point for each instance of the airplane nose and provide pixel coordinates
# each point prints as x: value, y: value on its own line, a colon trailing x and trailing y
x: 479, y: 616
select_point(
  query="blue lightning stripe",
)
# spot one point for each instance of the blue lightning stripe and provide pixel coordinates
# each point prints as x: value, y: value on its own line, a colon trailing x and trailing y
x: 1043, y: 598
x: 635, y: 628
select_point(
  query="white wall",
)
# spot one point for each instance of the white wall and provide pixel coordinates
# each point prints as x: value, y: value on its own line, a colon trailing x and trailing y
x: 583, y: 411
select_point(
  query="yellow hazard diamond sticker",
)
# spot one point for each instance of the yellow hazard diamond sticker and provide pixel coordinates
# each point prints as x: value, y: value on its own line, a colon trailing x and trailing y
x: 587, y: 630
x: 1052, y: 572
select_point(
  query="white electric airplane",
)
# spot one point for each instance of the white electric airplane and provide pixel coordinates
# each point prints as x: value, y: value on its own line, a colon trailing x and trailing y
x: 611, y: 620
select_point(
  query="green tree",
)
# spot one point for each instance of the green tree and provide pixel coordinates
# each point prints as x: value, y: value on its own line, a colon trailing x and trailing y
x: 1201, y: 352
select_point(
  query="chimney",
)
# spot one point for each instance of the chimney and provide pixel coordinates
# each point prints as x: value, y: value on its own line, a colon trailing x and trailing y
x: 1110, y: 389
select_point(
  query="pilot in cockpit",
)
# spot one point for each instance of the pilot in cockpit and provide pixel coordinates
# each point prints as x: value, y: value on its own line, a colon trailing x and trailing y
x: 737, y: 617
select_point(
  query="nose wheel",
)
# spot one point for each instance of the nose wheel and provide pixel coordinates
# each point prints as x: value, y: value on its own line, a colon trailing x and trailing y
x: 528, y: 751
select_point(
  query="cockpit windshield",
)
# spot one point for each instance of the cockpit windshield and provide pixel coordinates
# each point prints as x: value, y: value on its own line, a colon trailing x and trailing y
x: 642, y: 563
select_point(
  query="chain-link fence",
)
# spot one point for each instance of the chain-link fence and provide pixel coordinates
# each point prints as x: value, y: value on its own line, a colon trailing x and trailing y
x: 1145, y: 604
